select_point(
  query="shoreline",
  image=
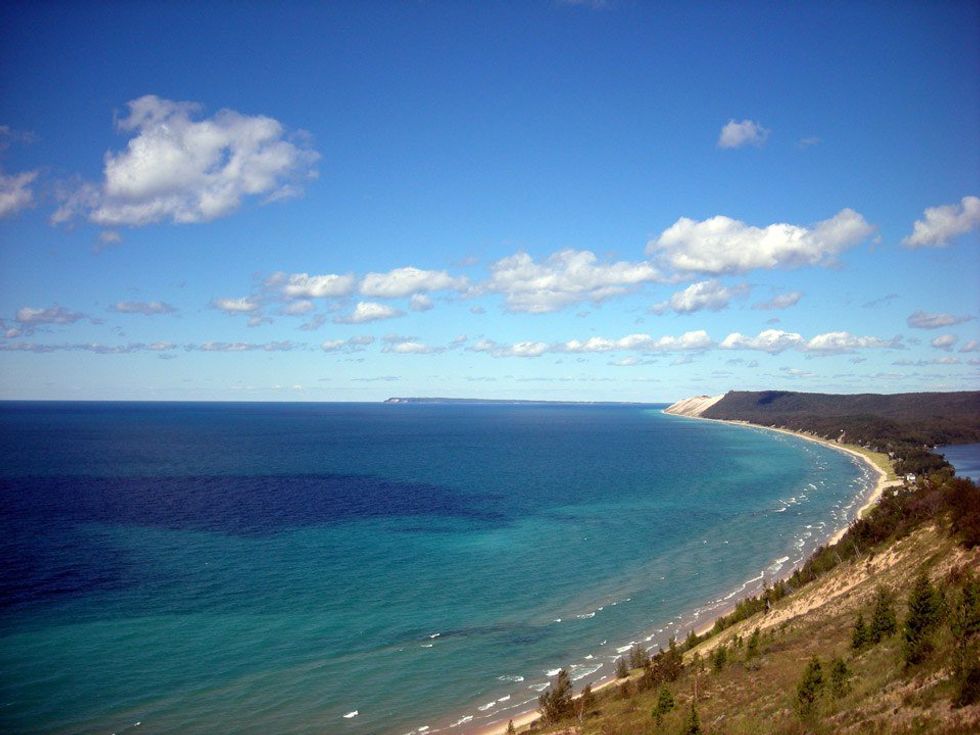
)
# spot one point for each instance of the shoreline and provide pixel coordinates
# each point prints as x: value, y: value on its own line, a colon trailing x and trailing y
x: 523, y: 719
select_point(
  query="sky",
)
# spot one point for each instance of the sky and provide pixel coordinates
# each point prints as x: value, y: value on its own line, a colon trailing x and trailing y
x: 609, y: 201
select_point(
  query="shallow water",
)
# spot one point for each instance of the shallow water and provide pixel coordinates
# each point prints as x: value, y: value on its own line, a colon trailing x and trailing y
x: 266, y: 568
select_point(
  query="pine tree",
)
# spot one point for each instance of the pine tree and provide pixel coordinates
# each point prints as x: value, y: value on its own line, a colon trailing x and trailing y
x: 883, y: 622
x: 861, y: 635
x: 964, y: 624
x: 665, y: 703
x: 622, y: 671
x: 556, y: 703
x: 808, y: 690
x: 752, y: 648
x: 638, y: 657
x: 839, y: 676
x: 719, y: 658
x: 925, y: 612
x: 693, y: 725
x: 586, y: 702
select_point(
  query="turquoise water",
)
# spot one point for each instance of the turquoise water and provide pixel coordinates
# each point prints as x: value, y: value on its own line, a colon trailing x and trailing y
x: 262, y: 568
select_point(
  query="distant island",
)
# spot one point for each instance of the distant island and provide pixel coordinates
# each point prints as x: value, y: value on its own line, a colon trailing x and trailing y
x: 510, y: 401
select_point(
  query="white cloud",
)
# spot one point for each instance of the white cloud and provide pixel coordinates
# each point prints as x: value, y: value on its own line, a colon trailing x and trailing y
x: 772, y: 341
x: 305, y: 286
x: 406, y: 281
x: 420, y: 302
x: 841, y: 342
x: 564, y: 278
x: 298, y: 308
x: 775, y: 341
x: 52, y: 315
x: 942, y: 224
x: 518, y: 349
x: 944, y: 342
x: 925, y: 320
x: 411, y: 347
x: 724, y: 245
x: 353, y: 344
x: 147, y: 308
x: 809, y: 142
x: 738, y: 134
x: 689, y: 341
x: 244, y: 305
x: 181, y: 170
x: 780, y: 301
x: 281, y: 346
x: 369, y: 311
x: 971, y: 346
x: 710, y: 295
x: 15, y: 192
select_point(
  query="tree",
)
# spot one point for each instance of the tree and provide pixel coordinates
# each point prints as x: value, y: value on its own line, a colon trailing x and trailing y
x: 752, y: 648
x: 693, y: 724
x: 586, y: 702
x: 964, y: 624
x: 883, y: 622
x: 665, y: 703
x: 622, y: 671
x: 556, y: 703
x: 861, y: 635
x: 638, y: 657
x: 809, y: 688
x: 925, y: 612
x: 839, y: 676
x: 720, y: 657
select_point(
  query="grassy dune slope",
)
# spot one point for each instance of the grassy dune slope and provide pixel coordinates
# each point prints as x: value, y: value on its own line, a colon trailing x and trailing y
x: 759, y: 695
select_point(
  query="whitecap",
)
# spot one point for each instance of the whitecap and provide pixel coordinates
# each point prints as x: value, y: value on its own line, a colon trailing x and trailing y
x: 539, y: 687
x: 504, y: 699
x: 435, y: 635
x: 462, y: 721
x: 351, y: 715
x: 553, y: 672
x: 488, y: 705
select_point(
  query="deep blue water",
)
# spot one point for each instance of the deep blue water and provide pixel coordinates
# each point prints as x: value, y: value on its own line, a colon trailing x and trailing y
x: 262, y: 568
x: 965, y: 459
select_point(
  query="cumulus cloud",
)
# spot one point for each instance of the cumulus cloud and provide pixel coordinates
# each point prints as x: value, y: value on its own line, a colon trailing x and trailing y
x: 244, y: 305
x: 724, y: 245
x: 407, y: 281
x: 353, y: 344
x: 944, y: 342
x: 30, y: 317
x: 147, y: 308
x: 775, y: 341
x: 182, y: 170
x: 298, y: 308
x: 420, y: 302
x: 738, y: 134
x: 941, y: 224
x: 410, y: 347
x: 925, y: 320
x: 710, y: 295
x: 564, y: 278
x: 689, y: 341
x: 971, y: 346
x: 780, y: 301
x: 518, y: 349
x: 772, y: 341
x: 16, y: 192
x: 305, y: 286
x: 835, y: 343
x: 368, y: 311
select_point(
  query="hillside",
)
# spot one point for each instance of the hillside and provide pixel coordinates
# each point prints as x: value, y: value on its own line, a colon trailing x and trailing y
x: 883, y: 421
x: 756, y: 691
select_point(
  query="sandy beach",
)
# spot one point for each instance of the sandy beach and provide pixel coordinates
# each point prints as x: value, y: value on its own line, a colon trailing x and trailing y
x: 526, y: 718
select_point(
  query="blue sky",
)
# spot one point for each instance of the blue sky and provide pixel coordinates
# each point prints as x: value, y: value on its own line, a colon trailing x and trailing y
x: 556, y: 200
